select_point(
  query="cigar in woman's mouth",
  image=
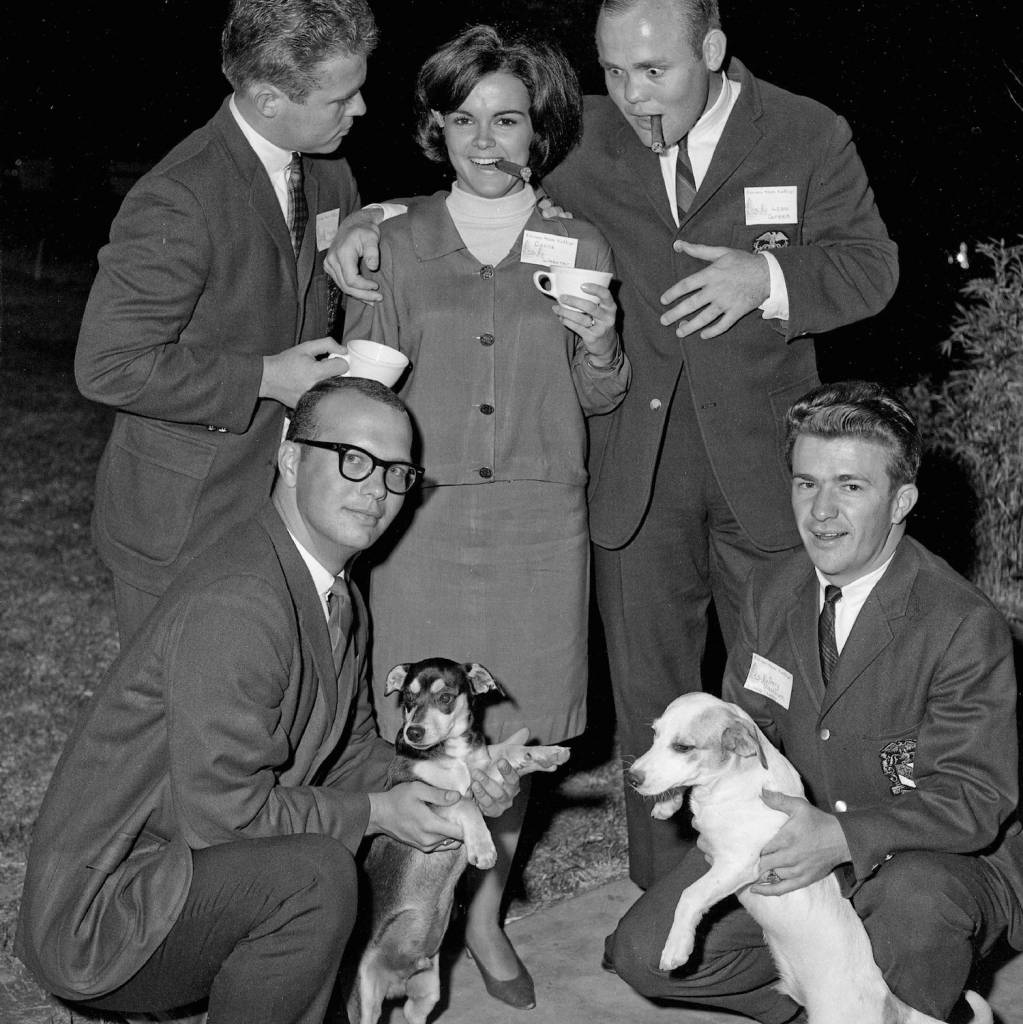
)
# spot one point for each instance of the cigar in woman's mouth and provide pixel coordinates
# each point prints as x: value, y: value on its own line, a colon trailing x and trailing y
x: 657, y: 143
x: 515, y: 170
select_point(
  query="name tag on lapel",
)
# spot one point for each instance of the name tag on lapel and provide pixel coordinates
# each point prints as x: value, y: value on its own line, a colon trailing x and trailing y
x: 548, y: 250
x: 326, y: 228
x: 770, y: 680
x: 775, y: 204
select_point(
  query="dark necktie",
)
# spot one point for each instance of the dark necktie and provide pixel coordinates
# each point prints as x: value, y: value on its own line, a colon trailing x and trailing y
x: 826, y: 632
x: 685, y: 183
x: 298, y: 210
x: 339, y: 619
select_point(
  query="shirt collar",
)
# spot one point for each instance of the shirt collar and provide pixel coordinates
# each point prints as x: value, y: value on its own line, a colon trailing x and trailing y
x: 711, y: 124
x: 271, y: 156
x: 323, y: 579
x: 858, y: 590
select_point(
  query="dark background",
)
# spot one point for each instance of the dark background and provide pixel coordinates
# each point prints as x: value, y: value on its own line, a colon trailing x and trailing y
x: 934, y: 93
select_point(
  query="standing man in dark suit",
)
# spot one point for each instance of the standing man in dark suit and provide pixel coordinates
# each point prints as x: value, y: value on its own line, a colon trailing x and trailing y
x: 888, y: 681
x: 754, y: 231
x: 210, y: 310
x: 198, y: 834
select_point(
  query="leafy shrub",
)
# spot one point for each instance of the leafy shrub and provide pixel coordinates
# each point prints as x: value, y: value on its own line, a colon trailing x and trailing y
x: 973, y: 418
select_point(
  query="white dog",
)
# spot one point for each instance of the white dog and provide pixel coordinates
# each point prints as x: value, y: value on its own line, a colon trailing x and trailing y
x: 819, y: 945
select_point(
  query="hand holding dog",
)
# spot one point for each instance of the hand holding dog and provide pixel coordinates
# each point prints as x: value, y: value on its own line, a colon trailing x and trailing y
x: 805, y: 849
x: 406, y: 813
x: 495, y: 788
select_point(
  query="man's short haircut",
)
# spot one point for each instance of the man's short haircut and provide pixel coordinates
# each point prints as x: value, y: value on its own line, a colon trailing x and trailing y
x: 283, y: 42
x: 555, y: 101
x: 698, y: 16
x: 304, y: 420
x: 858, y: 408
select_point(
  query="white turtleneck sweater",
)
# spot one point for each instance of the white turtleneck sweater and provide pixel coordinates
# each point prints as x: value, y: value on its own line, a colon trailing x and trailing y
x: 490, y: 227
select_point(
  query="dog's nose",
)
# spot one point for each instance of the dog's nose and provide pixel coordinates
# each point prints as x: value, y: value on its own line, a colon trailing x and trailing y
x: 415, y: 733
x: 635, y: 778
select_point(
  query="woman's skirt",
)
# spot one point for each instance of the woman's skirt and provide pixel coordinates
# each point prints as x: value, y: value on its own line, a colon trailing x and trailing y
x: 496, y: 574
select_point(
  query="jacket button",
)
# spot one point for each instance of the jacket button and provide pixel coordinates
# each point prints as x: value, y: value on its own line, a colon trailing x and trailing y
x: 486, y: 472
x: 841, y: 806
x: 485, y: 339
x: 655, y: 404
x: 486, y: 409
x: 677, y: 245
x: 825, y: 734
x: 487, y: 272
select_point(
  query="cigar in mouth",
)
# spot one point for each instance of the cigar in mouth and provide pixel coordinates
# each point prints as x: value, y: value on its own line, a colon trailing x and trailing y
x: 657, y: 143
x: 515, y: 170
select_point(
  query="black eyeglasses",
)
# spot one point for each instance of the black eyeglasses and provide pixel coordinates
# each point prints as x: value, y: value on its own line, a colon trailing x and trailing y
x: 356, y: 464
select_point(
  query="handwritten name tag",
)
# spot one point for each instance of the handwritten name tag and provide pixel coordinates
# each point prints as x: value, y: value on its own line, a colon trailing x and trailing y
x: 326, y: 228
x: 775, y: 204
x: 769, y: 680
x: 548, y: 250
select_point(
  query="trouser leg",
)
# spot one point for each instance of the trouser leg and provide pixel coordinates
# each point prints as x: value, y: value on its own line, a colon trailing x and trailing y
x: 730, y: 969
x: 929, y: 916
x: 261, y: 934
x: 653, y: 596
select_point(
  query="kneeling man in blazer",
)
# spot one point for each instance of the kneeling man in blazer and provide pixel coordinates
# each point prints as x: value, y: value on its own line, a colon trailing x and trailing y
x: 197, y: 838
x: 887, y: 680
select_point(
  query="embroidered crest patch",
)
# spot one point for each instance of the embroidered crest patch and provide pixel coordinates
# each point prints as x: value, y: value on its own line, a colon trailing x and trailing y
x: 897, y: 760
x: 770, y: 240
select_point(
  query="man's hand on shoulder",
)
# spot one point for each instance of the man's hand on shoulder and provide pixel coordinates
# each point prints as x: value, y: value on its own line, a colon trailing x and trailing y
x: 807, y: 847
x: 288, y: 375
x: 357, y: 239
x: 733, y: 284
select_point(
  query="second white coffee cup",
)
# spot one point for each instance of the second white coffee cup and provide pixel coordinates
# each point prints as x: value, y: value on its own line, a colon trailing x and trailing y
x: 560, y: 282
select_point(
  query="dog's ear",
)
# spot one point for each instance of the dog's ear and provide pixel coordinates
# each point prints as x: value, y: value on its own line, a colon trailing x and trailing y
x: 739, y: 738
x: 480, y: 680
x: 395, y: 678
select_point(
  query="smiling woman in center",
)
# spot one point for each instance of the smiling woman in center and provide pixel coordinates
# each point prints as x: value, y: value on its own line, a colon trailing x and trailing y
x: 493, y: 566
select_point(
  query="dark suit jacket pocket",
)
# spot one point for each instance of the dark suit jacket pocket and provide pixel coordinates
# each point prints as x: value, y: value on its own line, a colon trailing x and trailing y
x: 150, y: 483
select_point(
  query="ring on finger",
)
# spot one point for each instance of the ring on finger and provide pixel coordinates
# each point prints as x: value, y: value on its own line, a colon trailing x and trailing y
x: 593, y: 321
x: 772, y: 877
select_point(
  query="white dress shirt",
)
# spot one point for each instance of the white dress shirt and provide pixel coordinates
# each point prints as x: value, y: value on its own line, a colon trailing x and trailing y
x: 853, y: 597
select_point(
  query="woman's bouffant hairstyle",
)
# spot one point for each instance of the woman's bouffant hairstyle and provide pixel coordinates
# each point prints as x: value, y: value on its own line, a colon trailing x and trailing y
x: 555, y: 101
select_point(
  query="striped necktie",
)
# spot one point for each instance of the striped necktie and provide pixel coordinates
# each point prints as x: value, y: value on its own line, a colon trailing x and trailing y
x: 685, y: 183
x: 826, y: 632
x: 339, y: 619
x: 298, y: 209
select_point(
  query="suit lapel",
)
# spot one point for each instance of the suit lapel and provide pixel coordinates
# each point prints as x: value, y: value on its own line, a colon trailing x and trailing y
x: 262, y: 198
x: 312, y: 623
x: 802, y: 627
x: 638, y: 165
x: 739, y: 137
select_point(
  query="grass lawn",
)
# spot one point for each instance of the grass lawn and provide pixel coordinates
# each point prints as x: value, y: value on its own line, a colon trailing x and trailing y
x: 57, y: 631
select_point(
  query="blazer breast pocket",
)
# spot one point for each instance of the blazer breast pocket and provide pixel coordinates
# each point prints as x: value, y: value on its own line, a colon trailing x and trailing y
x: 764, y: 237
x: 151, y: 479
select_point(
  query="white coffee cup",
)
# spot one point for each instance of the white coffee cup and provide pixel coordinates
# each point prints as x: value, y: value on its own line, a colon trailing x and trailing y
x: 377, y: 362
x: 560, y: 282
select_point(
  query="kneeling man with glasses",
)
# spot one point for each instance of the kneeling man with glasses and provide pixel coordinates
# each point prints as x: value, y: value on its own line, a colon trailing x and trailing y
x: 197, y: 840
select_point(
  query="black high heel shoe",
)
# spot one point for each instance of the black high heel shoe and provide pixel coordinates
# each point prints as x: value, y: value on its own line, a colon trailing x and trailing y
x: 517, y: 992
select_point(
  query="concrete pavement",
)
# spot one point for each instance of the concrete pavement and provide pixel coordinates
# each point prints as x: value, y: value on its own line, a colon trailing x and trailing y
x: 562, y: 946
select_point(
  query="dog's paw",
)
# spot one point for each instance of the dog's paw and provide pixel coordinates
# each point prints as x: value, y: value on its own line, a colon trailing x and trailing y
x: 677, y: 950
x: 481, y: 855
x: 664, y: 809
x: 542, y: 759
